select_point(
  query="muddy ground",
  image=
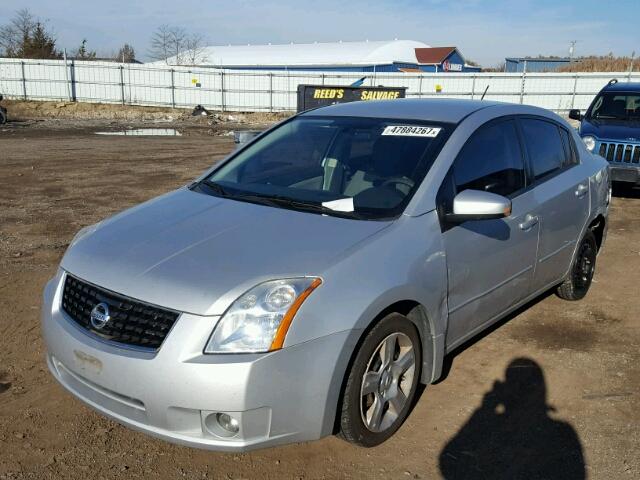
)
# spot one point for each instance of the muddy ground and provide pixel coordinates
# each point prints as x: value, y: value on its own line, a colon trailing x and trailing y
x: 557, y: 383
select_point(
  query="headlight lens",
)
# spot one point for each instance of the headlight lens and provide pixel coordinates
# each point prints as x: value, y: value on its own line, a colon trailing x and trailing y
x: 589, y: 142
x: 259, y: 320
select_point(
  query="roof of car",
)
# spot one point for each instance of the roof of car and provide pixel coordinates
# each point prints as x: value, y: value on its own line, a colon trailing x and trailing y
x: 623, y: 87
x: 445, y: 110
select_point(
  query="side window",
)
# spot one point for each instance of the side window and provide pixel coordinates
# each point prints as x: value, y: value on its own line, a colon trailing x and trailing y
x: 569, y: 153
x: 544, y: 145
x: 491, y: 161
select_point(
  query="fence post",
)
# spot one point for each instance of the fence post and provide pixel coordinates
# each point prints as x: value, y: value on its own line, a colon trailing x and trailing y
x: 575, y: 87
x: 173, y: 89
x: 24, y: 81
x: 524, y: 76
x: 473, y: 86
x: 322, y: 79
x: 122, y: 83
x: 271, y: 91
x: 222, y: 90
x: 72, y: 69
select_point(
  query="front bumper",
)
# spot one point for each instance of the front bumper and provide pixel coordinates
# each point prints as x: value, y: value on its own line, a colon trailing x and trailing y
x: 625, y: 173
x: 174, y: 393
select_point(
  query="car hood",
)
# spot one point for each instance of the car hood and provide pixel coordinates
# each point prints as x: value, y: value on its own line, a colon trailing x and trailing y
x: 611, y: 129
x: 196, y: 253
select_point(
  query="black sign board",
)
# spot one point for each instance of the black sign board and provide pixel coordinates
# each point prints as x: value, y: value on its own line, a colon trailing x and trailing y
x: 313, y: 96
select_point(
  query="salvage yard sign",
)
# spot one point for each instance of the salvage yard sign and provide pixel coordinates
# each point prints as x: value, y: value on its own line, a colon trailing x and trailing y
x: 314, y: 96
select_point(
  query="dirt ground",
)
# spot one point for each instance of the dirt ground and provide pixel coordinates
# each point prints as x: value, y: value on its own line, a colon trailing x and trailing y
x: 557, y: 383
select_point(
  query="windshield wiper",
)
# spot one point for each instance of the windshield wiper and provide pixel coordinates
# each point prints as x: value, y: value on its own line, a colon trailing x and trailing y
x: 279, y: 201
x: 216, y: 187
x: 610, y: 117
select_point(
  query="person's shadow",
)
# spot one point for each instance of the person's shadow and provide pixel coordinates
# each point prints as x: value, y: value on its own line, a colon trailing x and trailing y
x: 511, y: 436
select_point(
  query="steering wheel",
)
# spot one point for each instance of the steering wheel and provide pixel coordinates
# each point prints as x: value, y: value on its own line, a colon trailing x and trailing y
x: 398, y: 181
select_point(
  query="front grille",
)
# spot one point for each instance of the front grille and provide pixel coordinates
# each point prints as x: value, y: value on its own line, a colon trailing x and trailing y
x: 131, y: 322
x: 620, y: 152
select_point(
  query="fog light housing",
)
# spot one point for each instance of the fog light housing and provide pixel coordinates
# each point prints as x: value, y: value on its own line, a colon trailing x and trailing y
x: 228, y: 423
x: 221, y: 425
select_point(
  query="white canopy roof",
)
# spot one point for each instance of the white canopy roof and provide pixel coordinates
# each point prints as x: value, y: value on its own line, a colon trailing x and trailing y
x: 311, y: 54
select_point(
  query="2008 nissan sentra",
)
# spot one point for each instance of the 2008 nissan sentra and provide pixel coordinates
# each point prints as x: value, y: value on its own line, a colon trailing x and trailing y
x: 308, y: 283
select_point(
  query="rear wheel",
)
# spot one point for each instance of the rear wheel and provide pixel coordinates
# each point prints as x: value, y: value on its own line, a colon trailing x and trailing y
x: 382, y: 382
x: 577, y: 284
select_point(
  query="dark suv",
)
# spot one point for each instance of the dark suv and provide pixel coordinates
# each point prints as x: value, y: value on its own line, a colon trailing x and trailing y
x: 611, y: 128
x: 3, y: 113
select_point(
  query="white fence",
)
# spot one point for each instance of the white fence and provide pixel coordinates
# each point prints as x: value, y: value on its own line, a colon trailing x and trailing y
x: 260, y: 90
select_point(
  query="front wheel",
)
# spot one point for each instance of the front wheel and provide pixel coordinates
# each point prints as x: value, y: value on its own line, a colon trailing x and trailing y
x: 382, y: 382
x: 577, y: 284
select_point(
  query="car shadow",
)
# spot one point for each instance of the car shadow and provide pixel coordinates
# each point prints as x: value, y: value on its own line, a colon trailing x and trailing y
x: 450, y: 357
x: 511, y: 435
x: 625, y: 190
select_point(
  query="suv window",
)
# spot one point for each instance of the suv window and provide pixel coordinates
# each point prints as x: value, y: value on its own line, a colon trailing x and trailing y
x: 491, y: 161
x: 544, y: 145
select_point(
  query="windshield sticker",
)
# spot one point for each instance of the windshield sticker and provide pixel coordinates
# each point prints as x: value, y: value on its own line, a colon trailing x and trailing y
x: 340, y: 205
x: 411, y: 131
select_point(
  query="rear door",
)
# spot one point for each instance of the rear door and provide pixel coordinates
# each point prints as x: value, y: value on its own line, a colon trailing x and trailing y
x: 489, y: 262
x: 561, y: 193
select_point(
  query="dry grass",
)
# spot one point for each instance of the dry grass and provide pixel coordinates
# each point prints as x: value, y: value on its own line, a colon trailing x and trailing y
x: 606, y: 63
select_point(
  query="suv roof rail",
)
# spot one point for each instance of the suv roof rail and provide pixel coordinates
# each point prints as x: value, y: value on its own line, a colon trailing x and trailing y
x: 613, y: 81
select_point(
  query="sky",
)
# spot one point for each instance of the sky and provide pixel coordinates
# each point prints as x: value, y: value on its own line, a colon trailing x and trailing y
x: 485, y: 31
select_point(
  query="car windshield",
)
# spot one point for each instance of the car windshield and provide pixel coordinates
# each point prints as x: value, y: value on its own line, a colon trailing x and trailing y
x: 625, y: 106
x: 362, y: 168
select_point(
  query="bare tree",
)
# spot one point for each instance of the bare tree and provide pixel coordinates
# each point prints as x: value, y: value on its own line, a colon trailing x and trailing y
x: 16, y: 34
x: 168, y: 44
x: 175, y: 46
x: 25, y: 36
x: 195, y: 51
x: 160, y: 39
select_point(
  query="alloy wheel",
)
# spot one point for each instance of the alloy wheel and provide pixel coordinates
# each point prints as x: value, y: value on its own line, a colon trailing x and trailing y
x: 387, y: 382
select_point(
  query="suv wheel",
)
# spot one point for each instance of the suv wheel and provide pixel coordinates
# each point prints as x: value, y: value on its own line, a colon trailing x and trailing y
x: 382, y: 382
x: 577, y: 284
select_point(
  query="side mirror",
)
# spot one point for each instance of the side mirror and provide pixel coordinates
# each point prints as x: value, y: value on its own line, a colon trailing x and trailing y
x: 478, y: 205
x: 574, y: 114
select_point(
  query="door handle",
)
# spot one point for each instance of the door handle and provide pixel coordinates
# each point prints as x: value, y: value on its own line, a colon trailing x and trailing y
x: 530, y: 221
x: 582, y: 190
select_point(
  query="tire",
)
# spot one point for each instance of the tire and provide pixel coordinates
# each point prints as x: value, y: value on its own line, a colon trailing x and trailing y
x: 577, y: 283
x: 3, y: 117
x: 372, y: 411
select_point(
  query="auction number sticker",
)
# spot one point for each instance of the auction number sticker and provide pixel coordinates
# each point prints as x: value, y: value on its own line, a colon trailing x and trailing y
x: 411, y: 131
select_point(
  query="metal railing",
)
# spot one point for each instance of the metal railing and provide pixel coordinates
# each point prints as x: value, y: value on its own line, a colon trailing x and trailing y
x: 260, y: 90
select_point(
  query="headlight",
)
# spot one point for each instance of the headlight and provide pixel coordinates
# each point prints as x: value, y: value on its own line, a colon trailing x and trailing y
x: 258, y: 321
x: 589, y: 142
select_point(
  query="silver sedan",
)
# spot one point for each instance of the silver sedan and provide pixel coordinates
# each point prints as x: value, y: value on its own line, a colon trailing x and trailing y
x: 308, y: 283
